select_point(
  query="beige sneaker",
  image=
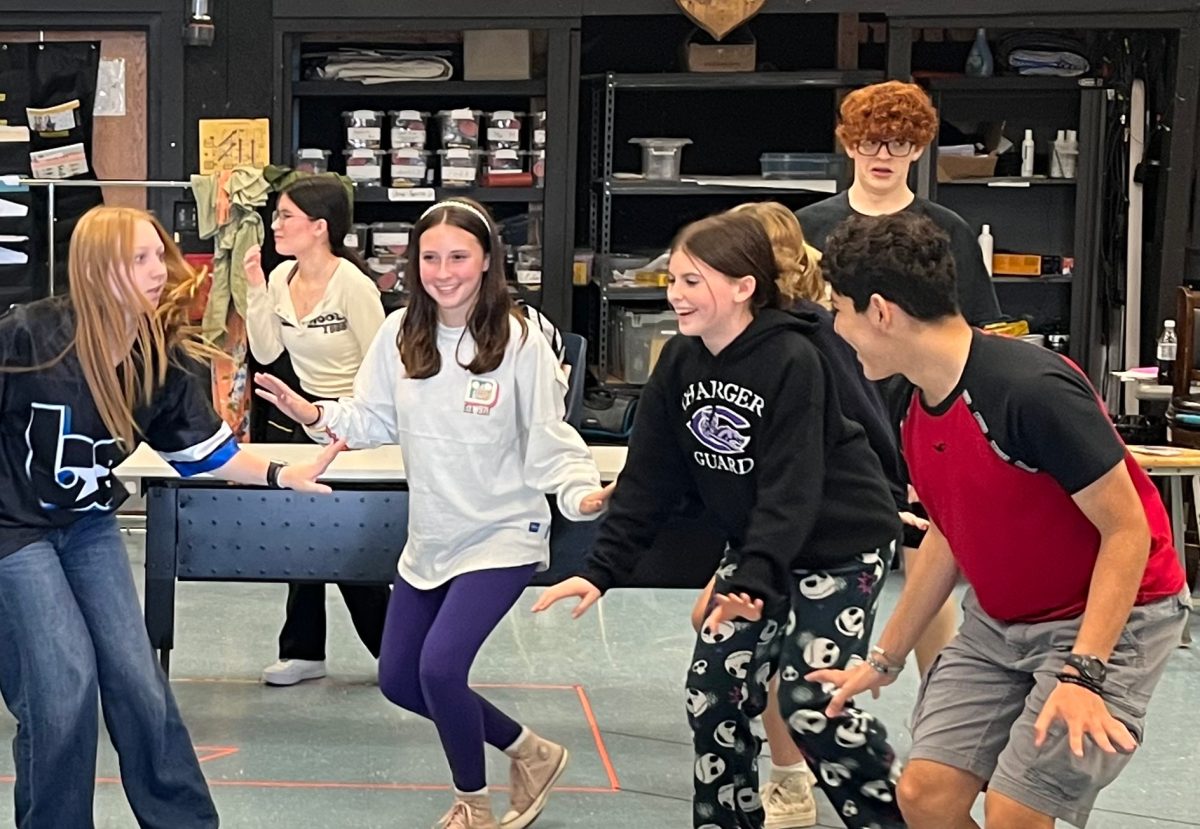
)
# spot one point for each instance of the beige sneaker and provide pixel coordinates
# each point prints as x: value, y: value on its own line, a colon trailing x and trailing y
x: 469, y: 812
x: 789, y: 803
x: 536, y: 765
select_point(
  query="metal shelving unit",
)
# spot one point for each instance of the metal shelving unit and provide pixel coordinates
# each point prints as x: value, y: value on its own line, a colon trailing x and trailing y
x: 641, y: 187
x: 1057, y: 216
x: 605, y: 186
x: 304, y: 106
x: 486, y: 195
x: 417, y: 89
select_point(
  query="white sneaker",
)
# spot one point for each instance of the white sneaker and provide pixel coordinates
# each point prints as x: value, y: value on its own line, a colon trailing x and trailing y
x: 291, y: 671
x: 789, y: 803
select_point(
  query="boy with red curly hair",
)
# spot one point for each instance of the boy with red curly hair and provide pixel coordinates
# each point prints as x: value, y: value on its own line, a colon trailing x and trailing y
x: 884, y: 129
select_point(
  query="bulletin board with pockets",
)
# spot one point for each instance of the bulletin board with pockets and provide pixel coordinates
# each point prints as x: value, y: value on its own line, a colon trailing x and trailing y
x: 47, y: 95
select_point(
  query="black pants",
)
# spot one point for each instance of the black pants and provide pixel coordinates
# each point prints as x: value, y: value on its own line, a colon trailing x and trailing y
x: 303, y: 634
x: 828, y: 625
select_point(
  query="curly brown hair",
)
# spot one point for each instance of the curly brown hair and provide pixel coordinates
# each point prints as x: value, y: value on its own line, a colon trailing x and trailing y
x: 887, y: 112
x: 904, y: 257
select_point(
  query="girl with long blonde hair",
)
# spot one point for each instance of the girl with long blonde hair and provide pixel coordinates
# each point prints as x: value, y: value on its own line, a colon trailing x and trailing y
x: 84, y: 378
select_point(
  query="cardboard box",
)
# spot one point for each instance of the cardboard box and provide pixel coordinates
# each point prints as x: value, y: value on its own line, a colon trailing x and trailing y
x: 496, y: 55
x: 950, y: 167
x: 1031, y: 264
x: 736, y: 53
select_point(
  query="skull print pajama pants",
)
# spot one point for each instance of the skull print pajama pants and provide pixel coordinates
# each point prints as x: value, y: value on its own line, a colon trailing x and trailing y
x: 828, y: 625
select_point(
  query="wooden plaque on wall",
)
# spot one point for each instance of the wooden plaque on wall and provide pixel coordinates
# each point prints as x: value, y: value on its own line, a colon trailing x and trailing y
x: 720, y: 17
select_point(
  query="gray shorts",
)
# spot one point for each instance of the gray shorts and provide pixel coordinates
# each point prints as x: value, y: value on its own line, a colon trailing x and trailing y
x: 978, y: 704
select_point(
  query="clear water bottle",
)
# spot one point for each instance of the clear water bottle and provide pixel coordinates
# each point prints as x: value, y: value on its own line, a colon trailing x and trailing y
x: 1167, y: 346
x: 979, y: 59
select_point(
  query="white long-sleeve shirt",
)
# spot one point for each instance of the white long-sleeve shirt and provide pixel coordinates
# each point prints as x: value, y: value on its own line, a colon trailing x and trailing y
x: 326, y: 346
x: 481, y: 452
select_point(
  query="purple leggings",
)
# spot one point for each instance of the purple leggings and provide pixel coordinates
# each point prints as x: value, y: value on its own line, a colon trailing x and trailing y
x: 430, y: 639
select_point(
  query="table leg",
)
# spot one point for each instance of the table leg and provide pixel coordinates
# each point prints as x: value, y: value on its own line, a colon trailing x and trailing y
x: 1178, y: 531
x: 1178, y: 523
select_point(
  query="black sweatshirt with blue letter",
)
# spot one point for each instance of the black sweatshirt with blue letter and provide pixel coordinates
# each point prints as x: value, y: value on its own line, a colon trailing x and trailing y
x: 757, y: 435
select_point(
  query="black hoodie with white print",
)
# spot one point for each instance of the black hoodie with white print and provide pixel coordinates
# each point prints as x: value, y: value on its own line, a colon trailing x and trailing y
x: 757, y: 433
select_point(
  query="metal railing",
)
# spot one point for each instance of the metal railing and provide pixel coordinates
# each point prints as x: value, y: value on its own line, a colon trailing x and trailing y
x: 51, y: 186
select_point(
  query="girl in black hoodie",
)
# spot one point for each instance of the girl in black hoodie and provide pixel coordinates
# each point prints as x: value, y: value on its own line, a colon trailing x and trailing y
x: 741, y: 412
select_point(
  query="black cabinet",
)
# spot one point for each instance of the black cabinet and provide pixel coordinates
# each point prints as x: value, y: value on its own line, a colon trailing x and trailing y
x: 731, y: 119
x: 1053, y: 217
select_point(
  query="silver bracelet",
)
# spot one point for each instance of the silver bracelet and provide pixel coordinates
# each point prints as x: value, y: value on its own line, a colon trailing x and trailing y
x: 880, y: 667
x: 883, y: 665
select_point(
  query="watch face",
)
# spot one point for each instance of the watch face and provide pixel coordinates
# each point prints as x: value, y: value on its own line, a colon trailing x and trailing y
x: 1089, y: 666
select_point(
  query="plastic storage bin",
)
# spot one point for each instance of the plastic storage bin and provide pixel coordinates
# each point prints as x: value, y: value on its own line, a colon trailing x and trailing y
x: 356, y: 239
x: 504, y: 128
x: 408, y: 128
x: 502, y: 161
x: 365, y: 167
x: 410, y: 166
x: 364, y: 128
x: 390, y: 238
x: 660, y: 157
x: 539, y: 128
x: 639, y: 339
x: 529, y: 265
x: 537, y: 166
x: 388, y: 272
x: 311, y: 160
x: 460, y: 166
x: 459, y: 127
x: 802, y: 165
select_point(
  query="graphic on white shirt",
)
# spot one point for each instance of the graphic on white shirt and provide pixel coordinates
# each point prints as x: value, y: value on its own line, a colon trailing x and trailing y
x: 482, y: 396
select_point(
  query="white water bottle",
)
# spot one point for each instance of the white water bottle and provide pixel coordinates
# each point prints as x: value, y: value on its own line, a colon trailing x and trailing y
x: 1027, y: 148
x: 1070, y: 154
x: 1056, y: 155
x: 987, y: 247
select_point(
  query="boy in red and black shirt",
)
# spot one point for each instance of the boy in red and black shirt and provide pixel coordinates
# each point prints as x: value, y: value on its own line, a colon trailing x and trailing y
x: 1076, y: 596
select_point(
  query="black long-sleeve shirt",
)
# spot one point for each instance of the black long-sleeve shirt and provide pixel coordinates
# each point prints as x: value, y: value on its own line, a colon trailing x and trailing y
x: 976, y: 295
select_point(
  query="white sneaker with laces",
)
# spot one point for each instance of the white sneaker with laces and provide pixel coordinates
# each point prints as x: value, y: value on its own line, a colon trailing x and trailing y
x: 291, y: 671
x: 789, y: 803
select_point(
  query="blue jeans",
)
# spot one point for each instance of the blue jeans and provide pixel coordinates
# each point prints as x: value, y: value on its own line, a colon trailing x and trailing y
x: 71, y: 626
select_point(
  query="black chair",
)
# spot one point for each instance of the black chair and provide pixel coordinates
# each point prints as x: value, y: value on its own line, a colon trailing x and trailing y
x: 1183, y: 414
x: 575, y: 348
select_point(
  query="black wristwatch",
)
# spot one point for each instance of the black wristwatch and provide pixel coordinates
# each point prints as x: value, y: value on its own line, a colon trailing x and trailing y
x: 273, y: 470
x: 1089, y: 667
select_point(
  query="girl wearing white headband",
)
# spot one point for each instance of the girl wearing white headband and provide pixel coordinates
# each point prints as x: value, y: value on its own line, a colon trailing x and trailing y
x: 477, y: 407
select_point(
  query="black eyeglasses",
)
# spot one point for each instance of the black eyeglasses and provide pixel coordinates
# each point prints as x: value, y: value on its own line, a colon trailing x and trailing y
x: 278, y: 216
x: 895, y: 148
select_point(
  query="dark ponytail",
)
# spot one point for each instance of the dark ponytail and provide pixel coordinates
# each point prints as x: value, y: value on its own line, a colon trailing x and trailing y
x: 325, y: 197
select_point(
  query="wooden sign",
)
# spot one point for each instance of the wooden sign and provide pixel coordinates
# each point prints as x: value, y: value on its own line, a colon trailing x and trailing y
x: 720, y: 17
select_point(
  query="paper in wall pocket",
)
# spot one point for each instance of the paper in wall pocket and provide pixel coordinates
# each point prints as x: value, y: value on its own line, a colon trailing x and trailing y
x: 60, y: 162
x: 14, y: 250
x: 11, y: 256
x: 55, y: 119
x: 12, y: 209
